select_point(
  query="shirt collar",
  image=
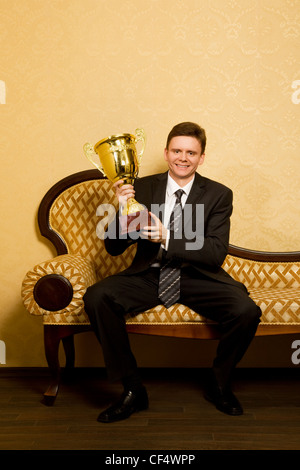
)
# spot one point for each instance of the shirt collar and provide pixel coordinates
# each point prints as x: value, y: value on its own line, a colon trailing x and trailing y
x: 172, y: 186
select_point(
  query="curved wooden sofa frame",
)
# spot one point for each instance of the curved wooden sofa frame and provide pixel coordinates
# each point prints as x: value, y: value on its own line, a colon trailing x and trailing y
x: 53, y: 334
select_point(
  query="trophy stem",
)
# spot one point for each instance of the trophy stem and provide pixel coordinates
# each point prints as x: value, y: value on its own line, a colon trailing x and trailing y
x: 132, y: 207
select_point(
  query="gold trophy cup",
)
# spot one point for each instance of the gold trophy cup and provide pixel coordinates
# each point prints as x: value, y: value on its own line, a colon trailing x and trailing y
x: 119, y: 159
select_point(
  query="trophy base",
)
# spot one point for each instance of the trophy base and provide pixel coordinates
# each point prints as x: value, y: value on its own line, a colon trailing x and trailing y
x: 134, y: 222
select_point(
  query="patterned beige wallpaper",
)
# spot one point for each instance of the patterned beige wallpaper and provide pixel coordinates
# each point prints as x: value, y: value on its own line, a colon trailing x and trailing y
x: 73, y: 71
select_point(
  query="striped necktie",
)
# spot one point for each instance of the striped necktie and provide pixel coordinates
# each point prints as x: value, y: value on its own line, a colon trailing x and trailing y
x: 169, y: 278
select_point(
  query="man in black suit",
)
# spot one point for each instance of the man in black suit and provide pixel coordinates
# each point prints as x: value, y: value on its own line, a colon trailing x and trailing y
x: 194, y: 255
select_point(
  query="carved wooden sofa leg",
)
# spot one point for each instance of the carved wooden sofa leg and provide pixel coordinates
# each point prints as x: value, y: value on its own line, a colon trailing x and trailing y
x: 53, y: 335
x: 51, y: 342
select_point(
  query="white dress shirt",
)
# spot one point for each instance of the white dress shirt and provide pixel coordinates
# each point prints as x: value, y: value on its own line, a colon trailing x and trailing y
x: 170, y: 200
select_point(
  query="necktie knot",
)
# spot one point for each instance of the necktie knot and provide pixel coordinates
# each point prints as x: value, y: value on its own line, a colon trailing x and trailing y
x: 178, y: 195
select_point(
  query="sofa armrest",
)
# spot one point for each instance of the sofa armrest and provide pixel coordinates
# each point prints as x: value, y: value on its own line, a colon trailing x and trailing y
x: 58, y: 285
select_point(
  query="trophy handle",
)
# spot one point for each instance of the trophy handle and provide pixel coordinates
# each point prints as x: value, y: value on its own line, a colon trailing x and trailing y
x: 90, y: 154
x: 140, y: 136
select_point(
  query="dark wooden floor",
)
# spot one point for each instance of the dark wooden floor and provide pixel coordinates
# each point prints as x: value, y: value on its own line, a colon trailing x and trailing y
x: 179, y: 418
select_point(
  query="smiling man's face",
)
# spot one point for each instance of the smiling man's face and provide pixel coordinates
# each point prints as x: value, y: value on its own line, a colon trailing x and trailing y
x: 183, y: 156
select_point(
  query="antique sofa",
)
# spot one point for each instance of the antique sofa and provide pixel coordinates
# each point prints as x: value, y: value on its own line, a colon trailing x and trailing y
x: 72, y: 216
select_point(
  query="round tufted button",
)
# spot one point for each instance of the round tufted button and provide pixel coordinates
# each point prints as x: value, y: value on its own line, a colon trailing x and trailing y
x: 53, y: 292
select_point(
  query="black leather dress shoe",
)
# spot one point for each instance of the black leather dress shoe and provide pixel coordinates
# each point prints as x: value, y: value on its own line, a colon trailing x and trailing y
x: 128, y: 403
x: 224, y: 400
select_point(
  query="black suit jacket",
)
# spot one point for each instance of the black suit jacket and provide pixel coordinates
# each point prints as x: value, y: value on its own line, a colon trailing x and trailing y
x: 217, y: 200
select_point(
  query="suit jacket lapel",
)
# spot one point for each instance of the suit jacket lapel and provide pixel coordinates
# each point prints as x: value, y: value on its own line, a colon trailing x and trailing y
x: 159, y: 188
x: 195, y: 197
x: 159, y: 193
x: 197, y: 190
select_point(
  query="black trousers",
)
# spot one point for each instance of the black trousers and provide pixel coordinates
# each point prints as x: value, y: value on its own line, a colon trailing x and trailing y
x: 107, y: 302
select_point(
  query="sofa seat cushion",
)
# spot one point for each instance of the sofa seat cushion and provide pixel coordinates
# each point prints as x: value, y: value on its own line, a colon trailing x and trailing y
x: 177, y: 313
x: 279, y: 306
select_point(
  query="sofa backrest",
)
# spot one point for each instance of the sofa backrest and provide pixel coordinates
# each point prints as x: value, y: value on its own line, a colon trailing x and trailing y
x: 79, y: 207
x: 263, y: 274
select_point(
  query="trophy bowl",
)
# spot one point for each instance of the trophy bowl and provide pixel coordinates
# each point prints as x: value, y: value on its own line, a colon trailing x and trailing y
x: 117, y: 158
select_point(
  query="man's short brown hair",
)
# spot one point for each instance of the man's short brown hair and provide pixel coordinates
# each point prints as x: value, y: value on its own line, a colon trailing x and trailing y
x: 189, y: 129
